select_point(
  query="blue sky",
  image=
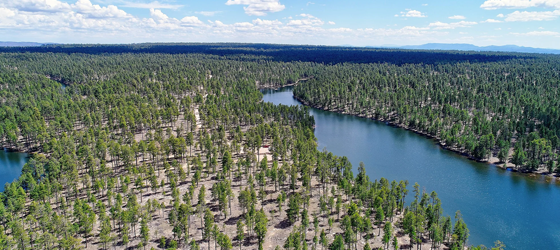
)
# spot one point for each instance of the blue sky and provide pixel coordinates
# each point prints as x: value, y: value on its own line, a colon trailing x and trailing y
x: 534, y: 23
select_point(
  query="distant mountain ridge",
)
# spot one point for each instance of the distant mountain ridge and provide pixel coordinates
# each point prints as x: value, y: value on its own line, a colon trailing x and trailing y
x: 470, y: 47
x: 428, y: 46
x: 21, y: 44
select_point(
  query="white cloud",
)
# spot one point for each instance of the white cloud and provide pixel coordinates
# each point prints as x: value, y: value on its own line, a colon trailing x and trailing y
x: 218, y: 23
x: 152, y: 5
x: 258, y: 7
x: 412, y: 13
x: 208, y: 13
x: 457, y: 17
x: 95, y: 11
x: 38, y: 5
x: 6, y: 12
x: 500, y: 15
x: 525, y: 16
x: 190, y: 21
x: 538, y: 33
x: 308, y: 21
x: 519, y: 4
x: 159, y: 21
x: 83, y: 22
x: 339, y: 30
x: 415, y: 28
x: 424, y: 4
x: 491, y: 21
x: 244, y: 26
x: 54, y: 17
x: 258, y: 21
x: 158, y: 15
x: 256, y: 28
x: 444, y: 26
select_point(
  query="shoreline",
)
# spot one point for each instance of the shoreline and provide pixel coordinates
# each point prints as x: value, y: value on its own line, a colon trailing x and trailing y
x: 389, y: 123
x: 20, y: 150
x: 436, y: 140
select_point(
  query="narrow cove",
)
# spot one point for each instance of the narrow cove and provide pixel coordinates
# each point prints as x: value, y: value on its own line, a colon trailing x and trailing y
x: 496, y: 204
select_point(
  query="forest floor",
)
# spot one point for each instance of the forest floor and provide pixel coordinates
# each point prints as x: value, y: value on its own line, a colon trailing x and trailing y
x: 278, y: 226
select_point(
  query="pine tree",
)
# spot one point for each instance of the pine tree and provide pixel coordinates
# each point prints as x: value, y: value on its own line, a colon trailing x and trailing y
x: 240, y: 233
x: 261, y: 223
x: 387, y: 234
x: 105, y: 232
x: 145, y: 232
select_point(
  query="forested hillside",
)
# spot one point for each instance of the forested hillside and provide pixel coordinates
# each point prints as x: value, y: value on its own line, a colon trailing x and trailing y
x: 171, y: 147
x: 508, y: 109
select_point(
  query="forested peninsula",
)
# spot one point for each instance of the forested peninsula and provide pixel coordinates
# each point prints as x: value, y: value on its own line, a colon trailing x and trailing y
x: 169, y: 146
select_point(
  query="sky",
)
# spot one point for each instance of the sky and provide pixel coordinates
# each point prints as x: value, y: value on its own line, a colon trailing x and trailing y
x: 533, y: 23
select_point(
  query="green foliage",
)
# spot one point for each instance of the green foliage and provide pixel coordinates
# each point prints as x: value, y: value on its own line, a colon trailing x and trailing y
x: 224, y: 241
x: 105, y: 233
x: 294, y: 241
x: 292, y: 212
x: 387, y: 233
x: 240, y: 233
x: 129, y: 125
x: 438, y: 100
x: 144, y: 232
x: 460, y: 232
x: 337, y: 244
x: 208, y: 224
x: 261, y: 224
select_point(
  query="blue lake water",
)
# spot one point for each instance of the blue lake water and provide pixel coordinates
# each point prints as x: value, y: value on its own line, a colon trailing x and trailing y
x: 10, y: 166
x: 521, y: 211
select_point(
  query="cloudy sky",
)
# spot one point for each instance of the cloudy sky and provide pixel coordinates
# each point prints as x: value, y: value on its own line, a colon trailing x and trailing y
x: 533, y: 23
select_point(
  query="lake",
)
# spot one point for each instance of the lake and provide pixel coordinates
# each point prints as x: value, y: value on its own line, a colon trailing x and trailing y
x: 518, y: 210
x: 11, y: 164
